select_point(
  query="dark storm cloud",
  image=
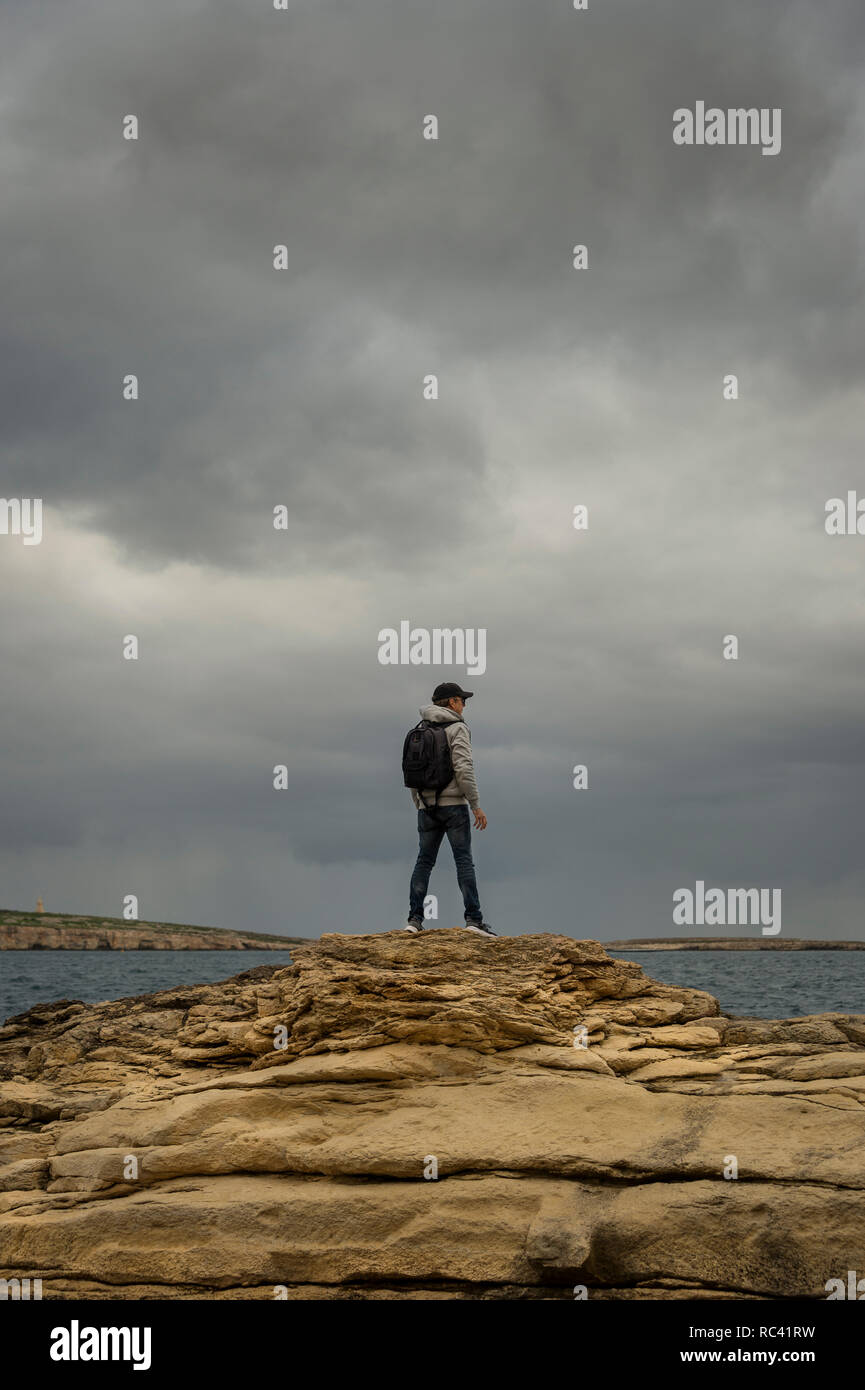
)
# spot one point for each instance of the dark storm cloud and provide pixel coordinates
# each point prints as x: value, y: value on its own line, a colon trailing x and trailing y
x: 303, y: 387
x: 405, y: 256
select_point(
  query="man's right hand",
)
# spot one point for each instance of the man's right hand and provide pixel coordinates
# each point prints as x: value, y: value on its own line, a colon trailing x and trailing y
x: 480, y: 820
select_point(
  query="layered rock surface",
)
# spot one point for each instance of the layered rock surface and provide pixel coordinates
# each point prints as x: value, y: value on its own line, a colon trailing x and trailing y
x: 277, y: 1133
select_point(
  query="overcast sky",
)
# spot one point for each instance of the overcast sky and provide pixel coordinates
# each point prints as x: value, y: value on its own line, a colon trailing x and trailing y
x: 557, y: 387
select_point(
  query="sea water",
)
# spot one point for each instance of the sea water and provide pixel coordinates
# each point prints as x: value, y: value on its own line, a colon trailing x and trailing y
x: 762, y: 984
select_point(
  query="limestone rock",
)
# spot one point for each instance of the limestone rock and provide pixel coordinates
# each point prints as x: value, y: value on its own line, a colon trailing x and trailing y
x: 433, y: 1116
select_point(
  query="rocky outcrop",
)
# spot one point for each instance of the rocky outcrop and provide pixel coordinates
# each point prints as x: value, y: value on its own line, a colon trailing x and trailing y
x: 402, y: 1117
x: 42, y: 932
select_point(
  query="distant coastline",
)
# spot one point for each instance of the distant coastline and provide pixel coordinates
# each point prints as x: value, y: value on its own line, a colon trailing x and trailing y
x: 729, y: 943
x: 48, y: 931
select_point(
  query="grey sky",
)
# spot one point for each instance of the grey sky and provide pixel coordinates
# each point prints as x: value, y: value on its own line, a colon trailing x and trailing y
x: 303, y: 387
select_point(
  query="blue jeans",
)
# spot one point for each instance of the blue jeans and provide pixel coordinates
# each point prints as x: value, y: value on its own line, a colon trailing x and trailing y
x: 432, y: 826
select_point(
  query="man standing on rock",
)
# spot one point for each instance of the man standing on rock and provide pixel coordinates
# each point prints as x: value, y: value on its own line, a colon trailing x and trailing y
x: 438, y: 767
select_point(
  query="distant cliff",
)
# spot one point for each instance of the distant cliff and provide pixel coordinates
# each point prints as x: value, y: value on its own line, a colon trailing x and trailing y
x: 43, y: 931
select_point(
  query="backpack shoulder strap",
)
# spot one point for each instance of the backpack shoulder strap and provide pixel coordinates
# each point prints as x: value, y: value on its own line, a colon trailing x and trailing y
x: 433, y: 724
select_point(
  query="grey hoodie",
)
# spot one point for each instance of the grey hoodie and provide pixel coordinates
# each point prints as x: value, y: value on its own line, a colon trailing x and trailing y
x: 463, y: 788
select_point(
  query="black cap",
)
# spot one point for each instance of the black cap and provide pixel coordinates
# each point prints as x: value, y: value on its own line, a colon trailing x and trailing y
x: 450, y: 691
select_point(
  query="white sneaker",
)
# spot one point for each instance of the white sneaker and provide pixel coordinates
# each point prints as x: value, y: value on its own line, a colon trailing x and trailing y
x: 482, y: 928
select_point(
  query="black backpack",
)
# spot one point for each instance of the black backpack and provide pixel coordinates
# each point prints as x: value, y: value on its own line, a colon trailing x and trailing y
x: 426, y: 758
